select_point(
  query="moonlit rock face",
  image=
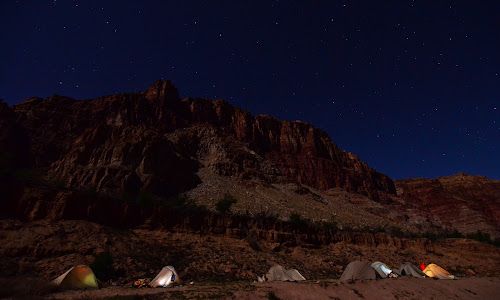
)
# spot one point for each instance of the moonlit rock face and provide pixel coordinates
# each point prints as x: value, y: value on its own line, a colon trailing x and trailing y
x: 162, y: 90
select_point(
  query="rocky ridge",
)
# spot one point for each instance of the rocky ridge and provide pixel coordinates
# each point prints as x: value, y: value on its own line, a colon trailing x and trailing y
x: 464, y: 202
x: 95, y: 139
x: 153, y: 145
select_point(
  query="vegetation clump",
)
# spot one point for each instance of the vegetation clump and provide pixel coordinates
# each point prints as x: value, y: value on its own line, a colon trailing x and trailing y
x: 224, y: 204
x: 297, y: 219
x: 331, y: 225
x: 103, y: 266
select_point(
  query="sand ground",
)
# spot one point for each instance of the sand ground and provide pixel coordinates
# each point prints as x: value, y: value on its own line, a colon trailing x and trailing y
x: 401, y: 288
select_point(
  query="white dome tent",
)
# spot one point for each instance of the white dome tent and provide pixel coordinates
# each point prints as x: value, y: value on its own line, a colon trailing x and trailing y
x: 166, y: 277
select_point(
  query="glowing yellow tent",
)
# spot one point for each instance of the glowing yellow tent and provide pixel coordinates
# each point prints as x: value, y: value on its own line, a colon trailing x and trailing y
x: 433, y: 270
x: 79, y: 277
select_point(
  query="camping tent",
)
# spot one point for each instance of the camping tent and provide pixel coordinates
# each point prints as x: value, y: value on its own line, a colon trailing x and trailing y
x: 382, y: 269
x: 167, y: 276
x: 356, y: 270
x: 409, y: 269
x: 433, y: 270
x: 278, y: 273
x: 79, y: 277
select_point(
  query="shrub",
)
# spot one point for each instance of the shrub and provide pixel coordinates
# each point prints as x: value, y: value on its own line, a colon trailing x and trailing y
x: 297, y: 219
x: 433, y: 236
x: 455, y: 234
x: 266, y: 216
x: 479, y: 236
x: 347, y: 228
x: 180, y: 200
x: 394, y: 231
x: 103, y: 266
x: 224, y: 204
x: 332, y: 224
x: 413, y: 235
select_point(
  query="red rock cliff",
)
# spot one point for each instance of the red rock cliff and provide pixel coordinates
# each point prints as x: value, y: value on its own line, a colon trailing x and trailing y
x: 132, y: 137
x: 464, y: 202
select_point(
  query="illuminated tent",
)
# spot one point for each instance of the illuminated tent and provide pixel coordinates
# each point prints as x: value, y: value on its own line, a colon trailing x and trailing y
x: 278, y: 273
x: 382, y: 269
x: 79, y: 277
x: 433, y: 270
x: 409, y: 269
x: 167, y: 276
x: 357, y: 270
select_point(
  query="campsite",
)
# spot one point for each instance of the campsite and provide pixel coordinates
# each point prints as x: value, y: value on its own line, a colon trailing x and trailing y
x: 404, y: 288
x: 224, y: 266
x: 273, y: 150
x: 231, y: 224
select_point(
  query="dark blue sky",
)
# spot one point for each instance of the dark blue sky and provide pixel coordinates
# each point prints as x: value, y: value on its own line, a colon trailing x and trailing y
x: 412, y: 87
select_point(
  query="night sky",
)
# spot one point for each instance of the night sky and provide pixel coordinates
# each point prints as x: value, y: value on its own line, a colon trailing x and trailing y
x: 412, y: 87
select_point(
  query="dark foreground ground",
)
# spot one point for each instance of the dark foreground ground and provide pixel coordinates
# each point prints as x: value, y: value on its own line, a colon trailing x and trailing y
x: 401, y: 288
x: 223, y: 266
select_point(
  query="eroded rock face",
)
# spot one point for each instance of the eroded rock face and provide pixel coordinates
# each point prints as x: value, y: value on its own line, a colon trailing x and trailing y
x: 465, y: 202
x: 300, y: 151
x: 91, y: 142
x: 126, y: 160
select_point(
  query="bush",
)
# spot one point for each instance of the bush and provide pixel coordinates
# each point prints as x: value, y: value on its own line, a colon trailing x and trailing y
x: 265, y: 216
x: 178, y: 200
x: 413, y: 235
x: 103, y: 266
x: 479, y: 236
x: 224, y: 204
x: 394, y: 231
x: 297, y: 219
x: 455, y: 234
x: 332, y: 224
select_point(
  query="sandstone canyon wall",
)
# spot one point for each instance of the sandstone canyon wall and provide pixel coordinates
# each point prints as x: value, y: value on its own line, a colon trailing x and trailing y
x: 141, y: 142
